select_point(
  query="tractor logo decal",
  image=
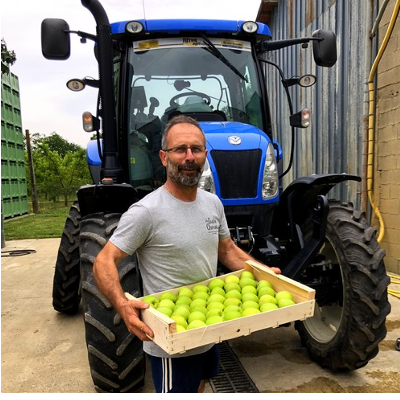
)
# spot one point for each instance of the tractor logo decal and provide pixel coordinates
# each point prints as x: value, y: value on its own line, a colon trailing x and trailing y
x: 235, y: 140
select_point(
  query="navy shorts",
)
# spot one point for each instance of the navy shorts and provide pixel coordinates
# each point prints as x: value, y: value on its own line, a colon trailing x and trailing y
x: 183, y: 374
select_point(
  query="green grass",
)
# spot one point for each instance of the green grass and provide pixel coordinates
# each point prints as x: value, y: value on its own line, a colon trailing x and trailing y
x: 48, y: 223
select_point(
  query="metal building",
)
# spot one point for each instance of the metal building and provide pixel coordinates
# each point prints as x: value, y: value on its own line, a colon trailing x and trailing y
x: 334, y: 141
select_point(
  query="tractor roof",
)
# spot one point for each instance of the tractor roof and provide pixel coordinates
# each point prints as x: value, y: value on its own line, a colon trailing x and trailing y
x: 165, y: 27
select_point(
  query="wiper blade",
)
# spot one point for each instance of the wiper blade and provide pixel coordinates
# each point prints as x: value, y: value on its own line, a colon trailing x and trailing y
x: 215, y: 52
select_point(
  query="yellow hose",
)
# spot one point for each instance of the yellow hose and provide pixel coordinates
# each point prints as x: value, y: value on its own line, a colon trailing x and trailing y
x: 395, y: 279
x: 371, y: 120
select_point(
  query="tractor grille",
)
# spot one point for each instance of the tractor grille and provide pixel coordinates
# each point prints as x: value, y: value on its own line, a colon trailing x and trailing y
x: 232, y: 377
x: 237, y: 172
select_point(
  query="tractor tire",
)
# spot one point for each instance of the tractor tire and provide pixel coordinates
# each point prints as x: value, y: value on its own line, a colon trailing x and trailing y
x: 66, y: 282
x: 344, y: 334
x: 116, y: 357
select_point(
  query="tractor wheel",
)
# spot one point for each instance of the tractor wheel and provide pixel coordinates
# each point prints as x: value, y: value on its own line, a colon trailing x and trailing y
x: 66, y: 282
x: 351, y: 309
x: 116, y: 356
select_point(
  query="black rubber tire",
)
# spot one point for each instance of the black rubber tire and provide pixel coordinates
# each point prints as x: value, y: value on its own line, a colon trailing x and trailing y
x: 345, y: 335
x: 66, y: 282
x: 116, y: 357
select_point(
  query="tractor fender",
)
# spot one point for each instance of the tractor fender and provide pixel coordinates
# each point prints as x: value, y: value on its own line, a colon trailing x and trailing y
x: 109, y: 197
x: 298, y: 199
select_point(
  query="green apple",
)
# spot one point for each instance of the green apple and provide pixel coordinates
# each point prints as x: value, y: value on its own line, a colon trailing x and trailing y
x: 183, y: 300
x: 231, y: 279
x: 250, y: 311
x: 264, y: 283
x: 215, y: 306
x: 203, y: 309
x: 198, y: 302
x: 213, y: 312
x: 187, y: 306
x: 267, y: 298
x: 216, y: 282
x: 196, y: 315
x: 232, y: 301
x: 151, y: 300
x: 247, y: 274
x: 284, y: 294
x: 232, y: 286
x: 166, y: 303
x: 285, y: 302
x: 180, y: 328
x: 251, y: 304
x: 201, y: 288
x: 233, y: 293
x: 196, y: 324
x: 249, y: 296
x: 179, y: 320
x: 168, y: 295
x: 200, y: 295
x: 268, y: 307
x: 232, y: 314
x: 185, y: 291
x: 266, y: 290
x: 233, y: 308
x: 247, y: 282
x: 219, y: 298
x: 218, y: 290
x: 214, y: 319
x: 165, y: 310
x: 182, y: 311
x: 249, y: 289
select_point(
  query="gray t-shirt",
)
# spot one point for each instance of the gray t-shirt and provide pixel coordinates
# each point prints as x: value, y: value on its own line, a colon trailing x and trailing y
x: 176, y: 243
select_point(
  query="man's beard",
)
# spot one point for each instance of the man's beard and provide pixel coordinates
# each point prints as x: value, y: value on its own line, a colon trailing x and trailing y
x: 174, y: 172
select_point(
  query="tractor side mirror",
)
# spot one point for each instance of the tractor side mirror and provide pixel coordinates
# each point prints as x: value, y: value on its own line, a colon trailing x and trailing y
x: 55, y: 39
x: 324, y: 48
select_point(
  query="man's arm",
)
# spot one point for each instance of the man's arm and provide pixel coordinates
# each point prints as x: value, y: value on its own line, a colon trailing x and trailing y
x: 233, y: 257
x: 106, y: 275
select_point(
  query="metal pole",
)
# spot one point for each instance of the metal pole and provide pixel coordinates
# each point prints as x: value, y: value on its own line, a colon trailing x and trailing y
x: 35, y: 204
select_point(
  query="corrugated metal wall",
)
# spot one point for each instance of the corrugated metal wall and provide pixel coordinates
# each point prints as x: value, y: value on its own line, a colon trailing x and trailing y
x: 334, y: 142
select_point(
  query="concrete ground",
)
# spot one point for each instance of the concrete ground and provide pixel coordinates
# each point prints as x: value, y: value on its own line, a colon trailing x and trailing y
x: 43, y: 351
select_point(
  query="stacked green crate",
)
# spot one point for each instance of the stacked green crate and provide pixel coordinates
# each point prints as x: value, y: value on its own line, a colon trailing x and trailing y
x: 14, y: 199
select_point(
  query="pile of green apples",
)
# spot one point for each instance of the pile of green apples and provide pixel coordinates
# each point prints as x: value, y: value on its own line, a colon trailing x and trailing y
x: 221, y: 300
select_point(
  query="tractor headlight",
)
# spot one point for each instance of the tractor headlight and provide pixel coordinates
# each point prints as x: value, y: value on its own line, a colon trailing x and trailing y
x: 250, y: 27
x: 134, y: 27
x: 270, y: 175
x: 206, y: 181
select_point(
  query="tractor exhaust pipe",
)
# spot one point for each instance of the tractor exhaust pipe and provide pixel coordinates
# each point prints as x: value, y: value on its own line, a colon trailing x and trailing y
x: 111, y: 166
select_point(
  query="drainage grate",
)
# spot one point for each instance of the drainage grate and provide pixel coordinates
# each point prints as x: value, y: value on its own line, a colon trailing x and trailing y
x: 232, y: 377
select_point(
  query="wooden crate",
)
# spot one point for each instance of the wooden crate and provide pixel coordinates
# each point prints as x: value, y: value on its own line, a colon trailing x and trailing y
x: 169, y: 340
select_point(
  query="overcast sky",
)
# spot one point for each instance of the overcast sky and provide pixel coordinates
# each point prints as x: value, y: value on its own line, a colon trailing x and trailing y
x: 46, y: 104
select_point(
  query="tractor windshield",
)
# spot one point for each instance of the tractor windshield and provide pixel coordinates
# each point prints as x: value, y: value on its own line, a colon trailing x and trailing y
x: 211, y: 80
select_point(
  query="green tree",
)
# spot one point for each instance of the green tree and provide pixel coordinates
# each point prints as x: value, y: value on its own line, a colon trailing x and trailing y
x: 56, y: 143
x: 60, y: 167
x: 8, y: 58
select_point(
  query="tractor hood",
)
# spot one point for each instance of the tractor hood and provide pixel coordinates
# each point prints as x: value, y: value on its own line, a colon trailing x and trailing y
x: 233, y: 136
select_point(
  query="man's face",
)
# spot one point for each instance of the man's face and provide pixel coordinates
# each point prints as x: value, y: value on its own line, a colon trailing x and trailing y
x: 184, y: 165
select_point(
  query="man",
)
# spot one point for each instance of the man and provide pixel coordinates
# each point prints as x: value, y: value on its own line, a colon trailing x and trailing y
x: 178, y: 233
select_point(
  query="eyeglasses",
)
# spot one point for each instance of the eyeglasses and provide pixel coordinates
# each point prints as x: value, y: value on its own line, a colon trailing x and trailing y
x: 181, y: 150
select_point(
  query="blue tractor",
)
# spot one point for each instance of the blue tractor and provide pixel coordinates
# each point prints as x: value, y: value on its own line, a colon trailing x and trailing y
x: 211, y: 70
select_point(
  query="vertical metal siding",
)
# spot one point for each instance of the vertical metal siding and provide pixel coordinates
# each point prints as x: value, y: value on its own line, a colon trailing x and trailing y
x: 333, y: 143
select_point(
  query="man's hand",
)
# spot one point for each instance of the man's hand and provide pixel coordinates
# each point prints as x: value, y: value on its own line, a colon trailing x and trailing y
x: 275, y: 269
x: 129, y: 311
